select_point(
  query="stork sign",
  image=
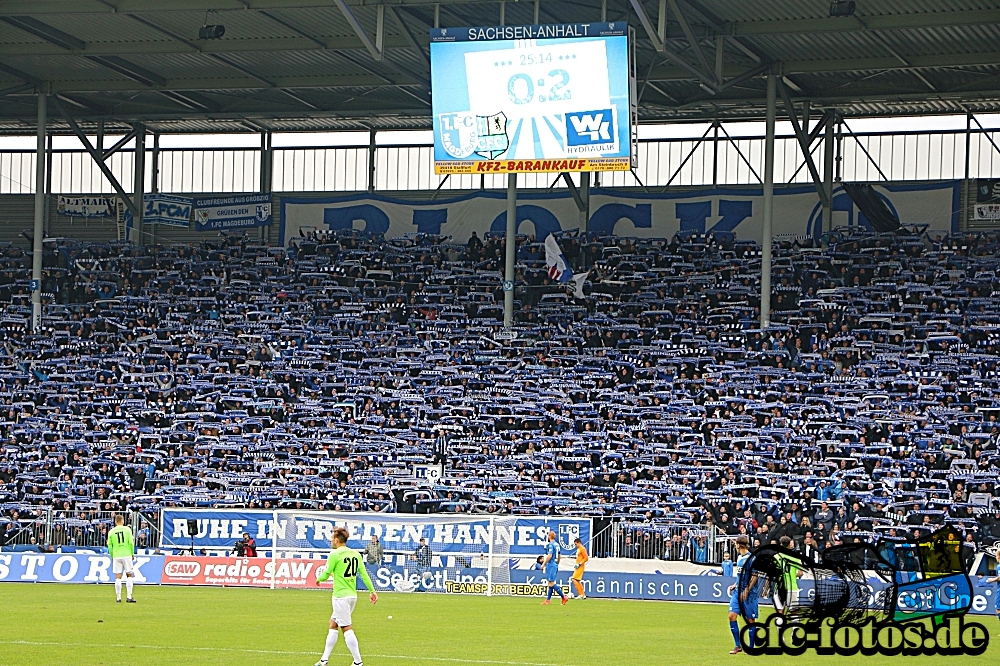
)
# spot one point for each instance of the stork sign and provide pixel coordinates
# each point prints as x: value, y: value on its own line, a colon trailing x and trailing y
x: 523, y: 99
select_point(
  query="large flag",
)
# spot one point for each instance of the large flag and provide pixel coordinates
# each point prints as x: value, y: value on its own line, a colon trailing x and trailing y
x: 559, y: 269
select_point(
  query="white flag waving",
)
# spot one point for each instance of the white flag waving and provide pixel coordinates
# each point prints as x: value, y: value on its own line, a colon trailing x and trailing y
x: 559, y: 269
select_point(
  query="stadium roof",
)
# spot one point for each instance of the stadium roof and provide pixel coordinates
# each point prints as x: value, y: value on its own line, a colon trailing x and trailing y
x: 289, y: 65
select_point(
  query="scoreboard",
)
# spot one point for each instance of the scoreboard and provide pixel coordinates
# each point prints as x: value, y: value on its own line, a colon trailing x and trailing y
x: 518, y: 99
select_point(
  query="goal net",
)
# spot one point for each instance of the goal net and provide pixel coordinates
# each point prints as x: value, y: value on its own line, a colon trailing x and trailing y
x: 402, y: 552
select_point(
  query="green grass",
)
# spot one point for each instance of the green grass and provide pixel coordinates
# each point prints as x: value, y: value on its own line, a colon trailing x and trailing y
x: 82, y: 626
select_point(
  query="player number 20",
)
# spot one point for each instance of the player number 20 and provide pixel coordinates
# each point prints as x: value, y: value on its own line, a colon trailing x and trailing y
x: 352, y: 568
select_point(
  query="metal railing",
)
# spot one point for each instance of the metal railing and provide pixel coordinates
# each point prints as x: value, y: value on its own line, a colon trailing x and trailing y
x: 713, y: 159
x: 673, y: 542
x: 49, y: 528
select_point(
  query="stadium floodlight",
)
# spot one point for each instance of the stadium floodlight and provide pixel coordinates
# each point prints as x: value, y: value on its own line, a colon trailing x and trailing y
x: 841, y: 8
x: 211, y: 32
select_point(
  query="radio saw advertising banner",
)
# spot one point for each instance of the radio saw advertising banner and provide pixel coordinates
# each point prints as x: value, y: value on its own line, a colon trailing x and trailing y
x: 397, y: 532
x: 517, y: 99
x: 797, y: 212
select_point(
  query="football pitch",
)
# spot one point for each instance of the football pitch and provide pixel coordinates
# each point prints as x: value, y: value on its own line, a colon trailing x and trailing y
x: 81, y: 625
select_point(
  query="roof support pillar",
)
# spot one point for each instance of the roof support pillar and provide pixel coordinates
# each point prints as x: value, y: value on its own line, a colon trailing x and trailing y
x: 765, y: 257
x: 372, y: 152
x: 38, y: 248
x: 828, y: 172
x: 154, y: 181
x: 266, y: 172
x: 511, y: 251
x: 139, y: 169
x: 154, y: 176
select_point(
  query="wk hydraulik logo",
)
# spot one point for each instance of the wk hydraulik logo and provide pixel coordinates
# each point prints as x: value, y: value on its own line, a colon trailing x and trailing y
x: 954, y: 636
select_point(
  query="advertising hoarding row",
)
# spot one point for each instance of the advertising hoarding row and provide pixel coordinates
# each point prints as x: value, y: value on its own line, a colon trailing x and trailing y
x: 442, y: 576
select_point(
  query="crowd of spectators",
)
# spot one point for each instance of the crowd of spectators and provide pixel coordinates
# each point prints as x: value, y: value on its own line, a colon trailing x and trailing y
x: 333, y: 374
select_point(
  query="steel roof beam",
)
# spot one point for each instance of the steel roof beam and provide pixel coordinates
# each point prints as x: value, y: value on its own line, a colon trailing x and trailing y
x: 44, y: 31
x: 411, y: 38
x: 661, y: 73
x: 251, y: 45
x: 661, y: 47
x: 222, y: 83
x: 861, y: 23
x: 376, y: 48
x: 131, y: 70
x: 580, y: 205
x: 800, y: 134
x: 119, y: 145
x: 96, y: 156
x: 13, y: 90
x: 31, y: 7
x: 767, y: 27
x: 692, y: 40
x: 855, y: 65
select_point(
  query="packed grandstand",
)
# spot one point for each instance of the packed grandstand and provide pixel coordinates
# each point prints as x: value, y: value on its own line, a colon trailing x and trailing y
x: 325, y: 375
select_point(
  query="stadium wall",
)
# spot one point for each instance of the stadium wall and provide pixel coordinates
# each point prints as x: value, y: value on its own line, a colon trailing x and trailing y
x: 954, y: 213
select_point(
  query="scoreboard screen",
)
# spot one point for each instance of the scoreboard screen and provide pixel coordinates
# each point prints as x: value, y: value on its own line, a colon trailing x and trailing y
x: 518, y: 99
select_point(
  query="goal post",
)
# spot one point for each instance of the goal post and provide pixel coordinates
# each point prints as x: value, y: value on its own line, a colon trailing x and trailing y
x: 467, y: 554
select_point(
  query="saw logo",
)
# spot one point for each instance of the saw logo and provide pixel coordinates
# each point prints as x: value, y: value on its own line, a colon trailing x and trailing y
x: 586, y: 128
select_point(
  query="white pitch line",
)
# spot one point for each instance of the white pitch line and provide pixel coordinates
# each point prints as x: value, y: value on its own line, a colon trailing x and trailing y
x: 250, y: 651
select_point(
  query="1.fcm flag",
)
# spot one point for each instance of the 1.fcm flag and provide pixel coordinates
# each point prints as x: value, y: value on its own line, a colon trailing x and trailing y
x: 559, y: 269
